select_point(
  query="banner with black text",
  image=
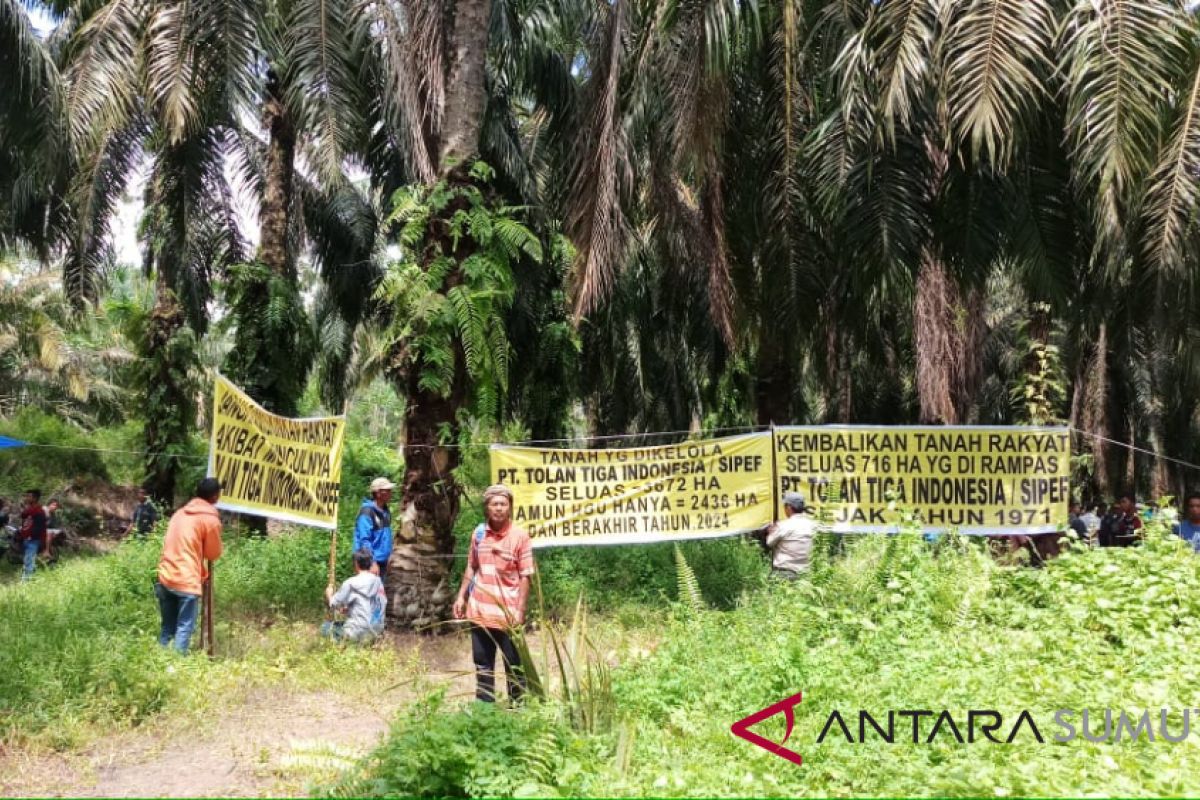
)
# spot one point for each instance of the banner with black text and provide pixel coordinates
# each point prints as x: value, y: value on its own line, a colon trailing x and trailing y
x: 272, y: 466
x: 693, y: 490
x: 979, y: 480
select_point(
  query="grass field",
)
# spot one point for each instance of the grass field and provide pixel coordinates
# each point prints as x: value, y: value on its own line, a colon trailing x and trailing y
x: 668, y: 659
x: 890, y: 623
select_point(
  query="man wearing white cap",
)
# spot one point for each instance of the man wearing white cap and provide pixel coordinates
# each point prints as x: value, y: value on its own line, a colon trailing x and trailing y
x: 373, y: 528
x: 791, y: 539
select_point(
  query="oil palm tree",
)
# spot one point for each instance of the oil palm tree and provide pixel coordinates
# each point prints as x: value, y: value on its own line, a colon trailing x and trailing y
x: 33, y: 132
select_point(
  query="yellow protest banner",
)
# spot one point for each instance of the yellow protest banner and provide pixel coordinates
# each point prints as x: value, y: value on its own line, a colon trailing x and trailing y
x: 979, y: 480
x: 272, y: 466
x: 693, y: 490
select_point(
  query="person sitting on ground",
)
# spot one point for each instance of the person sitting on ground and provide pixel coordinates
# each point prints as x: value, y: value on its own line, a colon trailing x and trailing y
x: 373, y: 527
x: 145, y: 515
x: 34, y: 531
x: 193, y: 537
x: 1121, y: 524
x: 362, y: 598
x: 1188, y: 528
x: 791, y: 539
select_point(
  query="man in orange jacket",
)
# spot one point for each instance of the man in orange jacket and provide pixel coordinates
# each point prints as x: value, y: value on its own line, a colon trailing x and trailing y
x: 193, y: 537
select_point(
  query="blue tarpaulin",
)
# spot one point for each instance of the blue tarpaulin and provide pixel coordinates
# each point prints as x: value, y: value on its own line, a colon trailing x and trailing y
x: 7, y: 442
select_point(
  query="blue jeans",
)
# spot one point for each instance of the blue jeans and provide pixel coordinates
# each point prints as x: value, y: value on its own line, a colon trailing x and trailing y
x: 178, y: 616
x: 31, y: 550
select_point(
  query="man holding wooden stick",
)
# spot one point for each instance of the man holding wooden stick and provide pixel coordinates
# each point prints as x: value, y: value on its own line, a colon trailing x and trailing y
x: 193, y: 538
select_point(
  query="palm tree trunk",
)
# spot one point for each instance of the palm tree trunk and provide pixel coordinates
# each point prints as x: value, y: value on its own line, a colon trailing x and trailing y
x: 275, y: 211
x: 839, y: 391
x: 948, y: 323
x: 1131, y: 456
x: 275, y: 253
x: 169, y: 404
x: 466, y: 92
x: 419, y: 572
x: 939, y: 342
x: 418, y: 579
x: 773, y: 383
x: 1093, y: 413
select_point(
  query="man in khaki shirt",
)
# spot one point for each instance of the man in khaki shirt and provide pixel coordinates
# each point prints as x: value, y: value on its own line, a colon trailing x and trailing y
x: 790, y: 540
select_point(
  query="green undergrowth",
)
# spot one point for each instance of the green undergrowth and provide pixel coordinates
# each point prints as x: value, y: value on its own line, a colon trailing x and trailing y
x: 883, y: 622
x: 79, y: 652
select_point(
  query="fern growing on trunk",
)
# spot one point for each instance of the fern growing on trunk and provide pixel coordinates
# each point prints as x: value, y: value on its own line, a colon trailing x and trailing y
x: 445, y: 348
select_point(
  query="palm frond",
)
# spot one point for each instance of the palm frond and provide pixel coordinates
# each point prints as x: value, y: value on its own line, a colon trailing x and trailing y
x: 322, y: 85
x: 997, y: 57
x: 1172, y: 193
x: 1118, y: 55
x: 392, y: 43
x: 104, y: 58
x: 227, y: 32
x: 31, y: 90
x: 98, y: 183
x: 173, y: 79
x: 902, y: 34
x: 596, y: 221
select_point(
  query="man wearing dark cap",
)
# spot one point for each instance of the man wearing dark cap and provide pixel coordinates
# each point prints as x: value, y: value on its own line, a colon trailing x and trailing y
x: 790, y: 540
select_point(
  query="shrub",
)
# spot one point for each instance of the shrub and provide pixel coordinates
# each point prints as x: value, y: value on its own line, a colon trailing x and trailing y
x: 609, y: 577
x: 484, y: 751
x: 894, y: 622
x: 49, y: 469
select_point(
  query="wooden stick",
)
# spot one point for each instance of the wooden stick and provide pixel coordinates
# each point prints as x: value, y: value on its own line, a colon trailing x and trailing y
x: 333, y: 558
x: 332, y: 573
x: 203, y: 608
x: 208, y: 611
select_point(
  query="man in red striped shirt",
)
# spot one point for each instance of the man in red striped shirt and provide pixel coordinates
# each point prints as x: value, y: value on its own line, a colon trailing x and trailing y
x: 493, y: 594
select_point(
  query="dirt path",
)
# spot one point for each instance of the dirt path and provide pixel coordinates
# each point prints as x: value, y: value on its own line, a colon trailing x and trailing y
x: 273, y: 743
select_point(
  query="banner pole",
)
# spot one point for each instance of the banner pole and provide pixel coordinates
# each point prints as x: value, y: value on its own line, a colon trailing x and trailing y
x: 208, y: 611
x: 332, y: 571
x: 774, y: 479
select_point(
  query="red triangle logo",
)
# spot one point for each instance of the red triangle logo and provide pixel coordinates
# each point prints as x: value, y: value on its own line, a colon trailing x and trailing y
x: 741, y: 728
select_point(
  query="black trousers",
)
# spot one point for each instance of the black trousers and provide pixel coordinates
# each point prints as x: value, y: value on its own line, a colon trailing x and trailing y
x: 484, y: 642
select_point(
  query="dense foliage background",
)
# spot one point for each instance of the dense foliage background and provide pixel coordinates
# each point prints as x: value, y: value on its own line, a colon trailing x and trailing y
x: 733, y: 212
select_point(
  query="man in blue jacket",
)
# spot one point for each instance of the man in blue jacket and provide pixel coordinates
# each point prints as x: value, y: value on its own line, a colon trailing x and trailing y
x: 373, y: 527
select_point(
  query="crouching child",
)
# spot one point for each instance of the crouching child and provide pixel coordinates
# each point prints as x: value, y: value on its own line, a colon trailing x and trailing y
x: 362, y: 598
